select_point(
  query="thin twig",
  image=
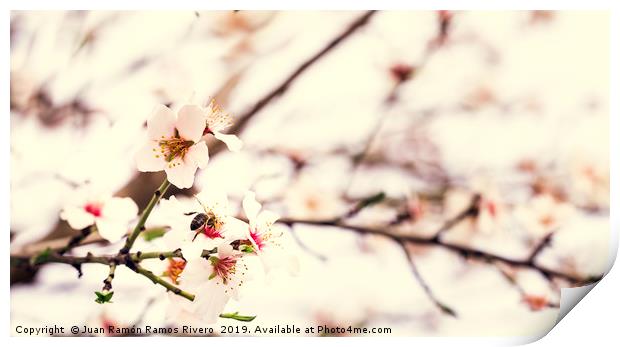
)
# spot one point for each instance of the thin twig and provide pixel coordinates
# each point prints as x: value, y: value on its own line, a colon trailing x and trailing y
x: 244, y: 118
x: 390, y: 101
x: 158, y: 280
x: 429, y: 293
x: 77, y: 239
x: 107, y: 283
x: 470, y: 211
x: 305, y: 247
x: 544, y: 243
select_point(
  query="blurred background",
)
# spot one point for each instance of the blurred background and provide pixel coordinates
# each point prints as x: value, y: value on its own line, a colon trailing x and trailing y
x: 440, y: 173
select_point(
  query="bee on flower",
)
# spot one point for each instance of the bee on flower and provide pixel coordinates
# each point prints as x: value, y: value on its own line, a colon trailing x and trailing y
x: 201, y: 223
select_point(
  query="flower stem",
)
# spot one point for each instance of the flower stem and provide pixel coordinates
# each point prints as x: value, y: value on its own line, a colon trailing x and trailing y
x: 144, y: 216
x: 237, y: 316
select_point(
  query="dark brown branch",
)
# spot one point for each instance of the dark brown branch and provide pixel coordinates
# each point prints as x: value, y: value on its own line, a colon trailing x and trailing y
x: 544, y: 243
x: 461, y: 249
x: 470, y: 211
x: 77, y: 239
x: 244, y: 118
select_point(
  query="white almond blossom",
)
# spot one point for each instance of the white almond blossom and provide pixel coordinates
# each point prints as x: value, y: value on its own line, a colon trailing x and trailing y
x: 174, y: 144
x: 266, y: 242
x: 217, y: 121
x: 110, y: 214
x: 214, y: 281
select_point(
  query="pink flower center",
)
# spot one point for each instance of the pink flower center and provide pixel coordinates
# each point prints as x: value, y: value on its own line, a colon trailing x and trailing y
x: 93, y: 208
x: 258, y: 238
x: 222, y: 268
x: 211, y: 232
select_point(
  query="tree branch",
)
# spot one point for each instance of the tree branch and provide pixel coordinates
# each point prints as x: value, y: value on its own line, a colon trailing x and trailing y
x: 130, y: 260
x: 244, y: 118
x: 77, y: 239
x: 461, y: 249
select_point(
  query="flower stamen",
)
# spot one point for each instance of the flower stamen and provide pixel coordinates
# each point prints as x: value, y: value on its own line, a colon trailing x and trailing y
x: 223, y: 268
x: 173, y: 147
x: 175, y: 267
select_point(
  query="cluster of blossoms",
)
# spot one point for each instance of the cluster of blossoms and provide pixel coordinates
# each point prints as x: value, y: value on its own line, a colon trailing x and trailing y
x: 215, y: 246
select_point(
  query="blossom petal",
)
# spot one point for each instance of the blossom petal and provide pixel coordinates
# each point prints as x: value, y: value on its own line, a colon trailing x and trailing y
x: 212, y: 303
x: 278, y: 259
x: 111, y: 230
x: 161, y: 123
x: 191, y: 122
x: 236, y: 229
x: 215, y: 199
x: 232, y: 141
x: 251, y: 207
x: 174, y: 238
x: 224, y: 250
x: 192, y: 250
x: 266, y: 218
x: 195, y: 272
x: 120, y: 209
x: 77, y: 217
x: 181, y: 175
x: 149, y: 160
x: 199, y: 154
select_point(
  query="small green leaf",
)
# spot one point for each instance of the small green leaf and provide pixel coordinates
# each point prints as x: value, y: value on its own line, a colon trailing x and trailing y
x: 102, y: 298
x: 212, y: 276
x: 238, y: 317
x: 247, y: 249
x: 151, y: 234
x: 41, y: 257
